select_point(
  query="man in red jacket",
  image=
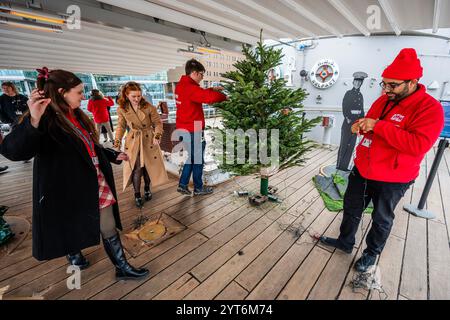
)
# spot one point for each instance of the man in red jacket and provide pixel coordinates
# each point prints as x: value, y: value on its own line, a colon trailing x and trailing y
x: 399, y: 129
x: 190, y: 123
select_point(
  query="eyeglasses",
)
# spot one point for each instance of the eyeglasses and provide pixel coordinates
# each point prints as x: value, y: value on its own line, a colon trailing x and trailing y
x: 202, y: 73
x: 392, y: 85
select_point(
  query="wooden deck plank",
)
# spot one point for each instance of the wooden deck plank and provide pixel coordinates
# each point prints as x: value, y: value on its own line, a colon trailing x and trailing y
x: 204, y: 269
x: 444, y: 183
x: 347, y: 291
x: 414, y: 276
x: 214, y: 284
x: 400, y: 226
x: 306, y: 276
x: 97, y: 285
x: 439, y: 261
x: 103, y: 294
x: 334, y: 275
x: 232, y: 292
x: 309, y: 211
x: 150, y: 288
x: 434, y: 200
x: 280, y: 264
x: 275, y: 280
x: 390, y: 264
x: 438, y: 250
x: 179, y: 289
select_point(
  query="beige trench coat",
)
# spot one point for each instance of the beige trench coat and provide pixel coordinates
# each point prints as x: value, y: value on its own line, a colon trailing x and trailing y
x: 143, y: 124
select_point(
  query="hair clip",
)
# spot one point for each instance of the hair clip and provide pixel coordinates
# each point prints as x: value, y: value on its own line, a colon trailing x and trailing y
x: 43, y: 73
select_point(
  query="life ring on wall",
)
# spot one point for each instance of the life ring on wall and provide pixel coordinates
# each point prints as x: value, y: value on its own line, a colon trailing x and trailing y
x: 324, y: 74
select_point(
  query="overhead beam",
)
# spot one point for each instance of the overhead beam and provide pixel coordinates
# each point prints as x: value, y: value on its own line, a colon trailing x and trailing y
x: 214, y: 18
x: 275, y: 16
x: 259, y: 24
x: 117, y: 41
x: 436, y: 15
x: 72, y: 45
x: 30, y: 46
x: 41, y: 60
x: 311, y: 16
x: 154, y: 10
x: 120, y: 72
x: 62, y: 57
x: 32, y: 65
x: 135, y: 33
x: 100, y: 30
x: 93, y: 11
x: 348, y: 14
x: 389, y: 12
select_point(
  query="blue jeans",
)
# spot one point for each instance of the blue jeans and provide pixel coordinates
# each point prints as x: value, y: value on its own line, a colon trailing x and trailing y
x: 195, y: 160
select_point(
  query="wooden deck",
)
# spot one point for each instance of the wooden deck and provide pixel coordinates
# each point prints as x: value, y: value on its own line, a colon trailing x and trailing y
x: 230, y: 250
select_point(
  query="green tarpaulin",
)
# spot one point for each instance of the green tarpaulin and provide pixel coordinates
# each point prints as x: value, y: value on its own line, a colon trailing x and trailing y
x: 332, y: 190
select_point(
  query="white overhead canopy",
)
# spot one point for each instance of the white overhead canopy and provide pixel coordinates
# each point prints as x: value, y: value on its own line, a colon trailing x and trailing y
x: 94, y: 48
x: 140, y: 37
x: 242, y: 19
x: 110, y: 41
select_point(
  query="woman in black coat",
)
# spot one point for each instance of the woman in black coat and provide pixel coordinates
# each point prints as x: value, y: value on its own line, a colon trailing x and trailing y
x: 74, y: 196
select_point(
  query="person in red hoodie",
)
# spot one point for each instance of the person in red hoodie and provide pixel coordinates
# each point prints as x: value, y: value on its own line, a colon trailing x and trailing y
x: 98, y: 106
x: 190, y: 124
x: 399, y: 129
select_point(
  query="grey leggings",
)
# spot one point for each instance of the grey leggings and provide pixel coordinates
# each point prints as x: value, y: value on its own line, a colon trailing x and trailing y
x: 107, y: 223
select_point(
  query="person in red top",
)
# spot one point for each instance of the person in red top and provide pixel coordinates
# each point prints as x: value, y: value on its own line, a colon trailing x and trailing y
x: 98, y: 105
x: 190, y: 124
x: 399, y: 129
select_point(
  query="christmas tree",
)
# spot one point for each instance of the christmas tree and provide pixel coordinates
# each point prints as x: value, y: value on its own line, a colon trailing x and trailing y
x: 259, y: 101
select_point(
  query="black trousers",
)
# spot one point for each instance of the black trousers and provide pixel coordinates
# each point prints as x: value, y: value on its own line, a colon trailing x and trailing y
x: 385, y: 197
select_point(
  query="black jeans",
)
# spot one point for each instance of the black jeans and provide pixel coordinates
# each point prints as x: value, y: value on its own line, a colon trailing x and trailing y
x: 385, y: 197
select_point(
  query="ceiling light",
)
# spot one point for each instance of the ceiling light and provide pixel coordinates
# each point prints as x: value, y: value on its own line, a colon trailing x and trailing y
x: 35, y: 15
x: 30, y: 26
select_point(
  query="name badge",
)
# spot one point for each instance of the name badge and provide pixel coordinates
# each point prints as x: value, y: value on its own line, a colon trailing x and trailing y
x: 95, y: 160
x: 366, y: 143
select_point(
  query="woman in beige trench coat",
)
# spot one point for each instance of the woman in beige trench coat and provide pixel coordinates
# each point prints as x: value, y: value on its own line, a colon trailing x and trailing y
x: 141, y: 142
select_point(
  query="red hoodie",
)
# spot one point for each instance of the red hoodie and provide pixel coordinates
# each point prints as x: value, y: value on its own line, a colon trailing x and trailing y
x: 190, y: 97
x: 396, y: 147
x: 99, y: 109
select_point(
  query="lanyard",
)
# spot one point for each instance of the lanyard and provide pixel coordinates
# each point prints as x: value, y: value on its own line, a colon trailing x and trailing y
x: 383, y: 114
x: 88, y: 142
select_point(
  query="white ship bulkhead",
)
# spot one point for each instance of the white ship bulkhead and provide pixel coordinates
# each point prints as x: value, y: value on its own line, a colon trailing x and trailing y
x: 358, y: 53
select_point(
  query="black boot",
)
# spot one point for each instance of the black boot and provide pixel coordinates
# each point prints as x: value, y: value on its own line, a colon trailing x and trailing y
x: 78, y: 260
x: 124, y: 271
x: 139, y: 202
x: 332, y: 242
x: 147, y: 194
x: 365, y: 262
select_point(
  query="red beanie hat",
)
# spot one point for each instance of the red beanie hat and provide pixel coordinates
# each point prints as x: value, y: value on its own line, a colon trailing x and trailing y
x: 405, y: 67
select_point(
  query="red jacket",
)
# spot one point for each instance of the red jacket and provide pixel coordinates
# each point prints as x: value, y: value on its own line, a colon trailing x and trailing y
x: 99, y: 109
x: 189, y: 98
x: 396, y: 147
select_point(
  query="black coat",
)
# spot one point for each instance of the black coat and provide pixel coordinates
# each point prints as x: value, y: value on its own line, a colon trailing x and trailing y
x: 12, y: 107
x: 66, y: 216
